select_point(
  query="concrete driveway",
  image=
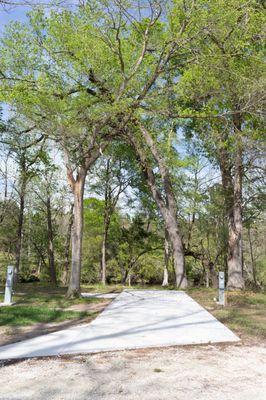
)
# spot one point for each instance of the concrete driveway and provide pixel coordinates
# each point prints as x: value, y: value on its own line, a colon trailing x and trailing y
x: 135, y: 319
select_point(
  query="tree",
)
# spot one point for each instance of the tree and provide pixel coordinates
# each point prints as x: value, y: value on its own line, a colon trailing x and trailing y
x: 112, y: 175
x: 10, y: 4
x: 76, y: 103
x: 148, y: 211
x: 164, y: 197
x: 65, y: 276
x: 224, y: 86
x: 93, y: 235
x: 45, y: 192
x: 27, y: 153
x: 117, y: 71
x: 135, y: 242
x: 55, y: 112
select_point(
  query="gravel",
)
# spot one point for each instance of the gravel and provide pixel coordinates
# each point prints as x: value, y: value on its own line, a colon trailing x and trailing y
x: 210, y: 372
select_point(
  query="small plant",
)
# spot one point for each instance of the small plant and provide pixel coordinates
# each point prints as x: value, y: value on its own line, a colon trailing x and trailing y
x: 157, y: 370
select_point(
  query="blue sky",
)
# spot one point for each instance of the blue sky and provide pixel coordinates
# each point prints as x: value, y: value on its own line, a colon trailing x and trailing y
x: 6, y: 16
x: 13, y: 14
x: 17, y: 13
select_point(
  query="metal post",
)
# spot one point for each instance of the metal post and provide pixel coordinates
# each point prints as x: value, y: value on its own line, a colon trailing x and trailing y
x: 221, y: 289
x: 9, y: 284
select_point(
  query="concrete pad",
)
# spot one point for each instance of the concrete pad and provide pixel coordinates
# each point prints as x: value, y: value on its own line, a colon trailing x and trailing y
x: 100, y: 295
x: 135, y: 319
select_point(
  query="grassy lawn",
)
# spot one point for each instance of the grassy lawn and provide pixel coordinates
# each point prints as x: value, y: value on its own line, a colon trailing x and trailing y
x: 100, y: 288
x: 36, y: 303
x: 245, y: 312
x: 28, y: 315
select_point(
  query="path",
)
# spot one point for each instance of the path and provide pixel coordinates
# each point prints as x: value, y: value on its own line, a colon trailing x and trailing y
x: 135, y: 319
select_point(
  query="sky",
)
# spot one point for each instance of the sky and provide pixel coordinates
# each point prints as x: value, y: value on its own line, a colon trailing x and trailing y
x: 19, y: 13
x: 8, y: 15
x: 12, y: 14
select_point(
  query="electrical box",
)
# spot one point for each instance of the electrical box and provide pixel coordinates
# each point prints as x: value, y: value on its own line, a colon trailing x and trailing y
x: 221, y: 288
x: 9, y: 284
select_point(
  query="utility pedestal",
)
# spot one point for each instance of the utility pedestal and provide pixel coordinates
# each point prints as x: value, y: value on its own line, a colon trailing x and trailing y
x: 9, y: 285
x: 222, y: 299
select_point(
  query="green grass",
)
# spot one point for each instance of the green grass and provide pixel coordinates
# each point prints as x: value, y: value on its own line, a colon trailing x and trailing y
x: 37, y: 303
x: 245, y: 312
x: 52, y: 300
x: 39, y: 294
x: 103, y: 288
x: 119, y: 287
x: 28, y: 315
x: 242, y: 321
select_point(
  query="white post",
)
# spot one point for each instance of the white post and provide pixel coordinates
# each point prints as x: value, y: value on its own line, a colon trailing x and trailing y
x: 9, y: 285
x: 221, y: 289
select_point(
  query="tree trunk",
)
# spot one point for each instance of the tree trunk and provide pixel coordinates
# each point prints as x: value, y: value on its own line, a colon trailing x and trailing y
x: 40, y: 257
x: 178, y: 252
x: 77, y: 234
x: 106, y: 222
x: 124, y: 277
x: 233, y: 204
x: 20, y: 226
x: 65, y: 275
x: 207, y: 272
x: 50, y: 236
x: 166, y: 259
x: 103, y: 254
x: 167, y: 205
x: 77, y: 185
x: 213, y: 275
x: 253, y: 267
x: 235, y: 256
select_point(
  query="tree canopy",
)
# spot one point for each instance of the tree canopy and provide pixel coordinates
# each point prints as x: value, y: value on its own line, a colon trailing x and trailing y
x: 142, y: 102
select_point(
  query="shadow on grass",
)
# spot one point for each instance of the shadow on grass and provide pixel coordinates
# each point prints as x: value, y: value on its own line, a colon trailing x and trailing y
x: 26, y: 315
x: 46, y: 298
x: 17, y: 333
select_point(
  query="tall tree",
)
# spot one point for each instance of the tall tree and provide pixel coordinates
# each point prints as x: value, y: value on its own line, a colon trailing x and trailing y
x: 25, y: 146
x: 81, y: 102
x: 45, y: 193
x: 112, y: 175
x: 65, y: 275
x: 223, y: 87
x: 163, y: 194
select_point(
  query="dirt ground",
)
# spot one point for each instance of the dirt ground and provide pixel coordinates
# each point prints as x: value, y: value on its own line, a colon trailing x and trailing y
x: 228, y: 372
